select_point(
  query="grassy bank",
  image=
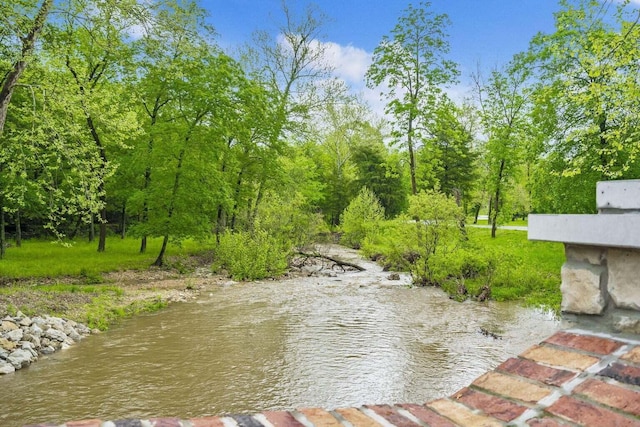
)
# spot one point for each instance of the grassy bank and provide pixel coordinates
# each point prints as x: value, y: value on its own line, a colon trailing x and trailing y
x: 73, y: 280
x: 508, y: 268
x: 527, y: 271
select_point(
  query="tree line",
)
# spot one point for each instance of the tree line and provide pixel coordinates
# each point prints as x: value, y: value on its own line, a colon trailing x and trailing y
x: 125, y: 117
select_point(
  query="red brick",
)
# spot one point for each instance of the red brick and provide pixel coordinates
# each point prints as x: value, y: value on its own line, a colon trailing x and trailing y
x: 320, y: 417
x: 427, y: 415
x: 357, y: 418
x: 545, y: 422
x: 611, y: 395
x: 491, y: 405
x: 165, y: 422
x: 207, y: 422
x: 84, y: 423
x: 530, y: 369
x: 462, y: 415
x: 588, y: 343
x: 623, y: 373
x: 282, y: 419
x: 633, y: 355
x: 555, y: 356
x: 588, y: 414
x: 391, y: 415
x: 511, y: 387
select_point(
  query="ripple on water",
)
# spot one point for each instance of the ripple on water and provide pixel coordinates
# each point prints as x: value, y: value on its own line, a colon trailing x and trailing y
x: 275, y: 345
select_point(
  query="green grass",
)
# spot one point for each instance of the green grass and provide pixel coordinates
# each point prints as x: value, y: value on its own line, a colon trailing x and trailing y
x: 89, y: 300
x: 515, y: 268
x: 97, y: 306
x: 518, y: 222
x: 530, y: 270
x: 38, y: 259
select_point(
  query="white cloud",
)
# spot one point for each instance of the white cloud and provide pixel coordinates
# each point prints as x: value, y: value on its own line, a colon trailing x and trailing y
x: 349, y: 63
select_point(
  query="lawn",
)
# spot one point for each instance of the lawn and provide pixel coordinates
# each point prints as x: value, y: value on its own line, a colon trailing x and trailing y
x: 530, y: 270
x: 39, y: 258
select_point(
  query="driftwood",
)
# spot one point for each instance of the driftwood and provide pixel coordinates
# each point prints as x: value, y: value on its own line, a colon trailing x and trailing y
x: 338, y: 262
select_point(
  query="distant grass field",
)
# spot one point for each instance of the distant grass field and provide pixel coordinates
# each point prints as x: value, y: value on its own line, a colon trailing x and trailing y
x: 38, y: 258
x: 518, y: 222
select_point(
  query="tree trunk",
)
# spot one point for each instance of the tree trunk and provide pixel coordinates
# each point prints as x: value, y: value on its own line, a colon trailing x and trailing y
x: 147, y: 182
x: 123, y: 221
x: 236, y: 203
x: 159, y: 262
x: 254, y: 213
x: 102, y: 239
x: 412, y: 159
x: 3, y: 239
x: 28, y: 43
x: 18, y: 229
x: 476, y: 213
x: 92, y: 229
x: 496, y: 208
x: 220, y: 223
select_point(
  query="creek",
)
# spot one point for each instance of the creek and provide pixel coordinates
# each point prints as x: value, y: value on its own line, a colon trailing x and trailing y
x: 356, y: 338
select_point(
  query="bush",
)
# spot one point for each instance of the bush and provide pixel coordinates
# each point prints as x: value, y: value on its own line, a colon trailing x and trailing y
x: 437, y: 220
x: 289, y: 221
x: 390, y: 243
x: 251, y: 256
x: 362, y: 216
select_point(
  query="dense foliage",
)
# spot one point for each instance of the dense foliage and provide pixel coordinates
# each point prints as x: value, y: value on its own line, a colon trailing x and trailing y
x: 121, y: 117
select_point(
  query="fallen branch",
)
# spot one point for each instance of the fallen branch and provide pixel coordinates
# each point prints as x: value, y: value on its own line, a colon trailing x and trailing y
x: 338, y: 262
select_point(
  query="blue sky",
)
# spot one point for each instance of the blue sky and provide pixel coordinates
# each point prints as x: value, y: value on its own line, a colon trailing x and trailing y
x: 484, y: 32
x: 489, y: 31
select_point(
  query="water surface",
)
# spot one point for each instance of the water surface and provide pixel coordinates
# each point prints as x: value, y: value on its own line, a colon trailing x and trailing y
x: 330, y: 342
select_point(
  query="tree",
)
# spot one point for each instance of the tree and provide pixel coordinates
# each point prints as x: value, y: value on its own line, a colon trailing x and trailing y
x: 447, y: 157
x: 380, y: 172
x: 438, y: 233
x: 297, y: 78
x: 17, y: 25
x: 587, y: 99
x: 340, y: 128
x: 177, y: 33
x: 503, y: 101
x: 93, y: 41
x: 27, y: 31
x: 188, y: 183
x: 411, y: 64
x: 361, y: 216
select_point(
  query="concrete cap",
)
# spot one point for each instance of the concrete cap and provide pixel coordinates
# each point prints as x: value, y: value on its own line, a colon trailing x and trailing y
x: 618, y: 195
x: 617, y: 231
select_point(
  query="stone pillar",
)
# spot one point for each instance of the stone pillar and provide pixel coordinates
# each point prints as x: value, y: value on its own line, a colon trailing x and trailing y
x: 601, y: 276
x: 584, y: 280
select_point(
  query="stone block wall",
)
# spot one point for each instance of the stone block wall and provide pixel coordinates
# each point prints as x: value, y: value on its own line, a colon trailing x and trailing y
x: 601, y: 276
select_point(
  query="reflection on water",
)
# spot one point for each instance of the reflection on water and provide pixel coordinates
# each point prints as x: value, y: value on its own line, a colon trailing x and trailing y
x: 330, y: 342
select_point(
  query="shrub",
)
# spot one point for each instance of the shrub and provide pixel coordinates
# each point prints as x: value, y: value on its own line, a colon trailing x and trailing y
x: 362, y: 216
x: 390, y: 243
x: 437, y: 220
x: 251, y: 256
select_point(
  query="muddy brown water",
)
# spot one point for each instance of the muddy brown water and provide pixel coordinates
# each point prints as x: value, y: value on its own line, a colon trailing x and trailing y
x: 358, y: 338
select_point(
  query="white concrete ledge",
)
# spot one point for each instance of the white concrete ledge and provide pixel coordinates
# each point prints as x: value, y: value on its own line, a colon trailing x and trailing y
x: 617, y: 231
x: 618, y: 195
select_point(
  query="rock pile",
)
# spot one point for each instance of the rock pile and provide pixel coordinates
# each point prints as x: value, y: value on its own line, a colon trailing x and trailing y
x: 23, y: 339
